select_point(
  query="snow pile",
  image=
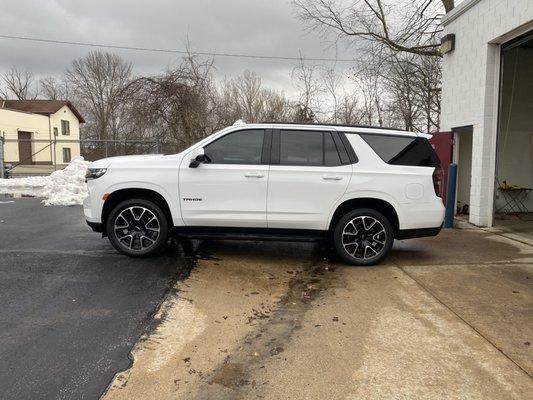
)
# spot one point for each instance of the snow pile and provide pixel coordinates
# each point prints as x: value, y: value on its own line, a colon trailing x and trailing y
x: 61, y: 188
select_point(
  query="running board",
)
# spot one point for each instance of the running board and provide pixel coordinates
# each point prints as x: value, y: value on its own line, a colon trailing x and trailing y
x: 262, y: 234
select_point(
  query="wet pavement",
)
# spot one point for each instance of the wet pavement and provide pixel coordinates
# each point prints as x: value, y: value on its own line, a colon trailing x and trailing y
x: 72, y: 308
x: 445, y: 317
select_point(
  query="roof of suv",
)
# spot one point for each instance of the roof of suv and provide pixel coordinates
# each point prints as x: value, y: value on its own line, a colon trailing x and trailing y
x: 344, y: 128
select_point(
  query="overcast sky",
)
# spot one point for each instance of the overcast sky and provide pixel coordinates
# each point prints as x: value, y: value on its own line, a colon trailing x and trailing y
x: 267, y: 27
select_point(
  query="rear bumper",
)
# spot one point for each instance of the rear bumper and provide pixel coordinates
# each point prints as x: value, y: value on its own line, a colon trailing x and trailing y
x: 421, y: 217
x: 95, y: 226
x: 417, y: 233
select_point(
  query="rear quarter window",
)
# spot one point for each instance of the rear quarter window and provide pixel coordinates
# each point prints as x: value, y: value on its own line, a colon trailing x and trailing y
x: 403, y: 150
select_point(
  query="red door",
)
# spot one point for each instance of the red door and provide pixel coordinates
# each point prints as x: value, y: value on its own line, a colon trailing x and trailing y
x: 442, y: 142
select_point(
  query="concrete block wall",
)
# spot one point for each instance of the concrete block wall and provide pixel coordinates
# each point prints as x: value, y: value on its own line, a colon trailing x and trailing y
x: 471, y: 81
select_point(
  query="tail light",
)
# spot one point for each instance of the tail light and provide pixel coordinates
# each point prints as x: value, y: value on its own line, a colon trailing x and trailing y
x: 438, y: 180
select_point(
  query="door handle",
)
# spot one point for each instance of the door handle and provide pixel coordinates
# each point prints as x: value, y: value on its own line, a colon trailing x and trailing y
x: 332, y: 177
x: 253, y: 175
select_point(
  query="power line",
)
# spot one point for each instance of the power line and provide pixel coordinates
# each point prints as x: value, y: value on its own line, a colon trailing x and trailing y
x: 156, y: 50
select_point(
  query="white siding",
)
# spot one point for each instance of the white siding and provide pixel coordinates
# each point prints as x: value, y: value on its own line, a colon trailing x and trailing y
x: 41, y: 127
x: 13, y: 121
x: 65, y: 113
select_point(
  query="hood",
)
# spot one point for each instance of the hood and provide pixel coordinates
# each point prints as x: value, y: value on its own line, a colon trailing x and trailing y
x: 106, y: 162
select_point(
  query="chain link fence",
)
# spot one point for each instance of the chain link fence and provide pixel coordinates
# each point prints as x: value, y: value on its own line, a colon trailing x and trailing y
x: 39, y: 156
x: 96, y: 149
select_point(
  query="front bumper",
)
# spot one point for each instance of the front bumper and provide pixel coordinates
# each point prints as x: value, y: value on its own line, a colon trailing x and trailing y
x: 91, y: 217
x: 95, y: 226
x: 91, y: 208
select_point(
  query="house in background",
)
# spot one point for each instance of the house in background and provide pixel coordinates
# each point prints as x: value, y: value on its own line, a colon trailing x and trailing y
x: 40, y: 132
x: 487, y: 102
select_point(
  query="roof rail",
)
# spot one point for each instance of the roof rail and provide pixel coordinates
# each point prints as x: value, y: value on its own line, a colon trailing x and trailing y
x: 338, y: 125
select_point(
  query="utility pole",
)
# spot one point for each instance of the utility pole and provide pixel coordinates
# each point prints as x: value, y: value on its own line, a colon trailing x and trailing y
x: 2, y: 168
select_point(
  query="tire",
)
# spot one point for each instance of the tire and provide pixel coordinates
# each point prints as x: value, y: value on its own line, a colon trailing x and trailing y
x: 137, y: 228
x: 363, y: 237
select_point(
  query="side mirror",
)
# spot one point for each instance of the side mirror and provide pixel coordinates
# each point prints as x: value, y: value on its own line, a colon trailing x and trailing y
x: 200, y: 159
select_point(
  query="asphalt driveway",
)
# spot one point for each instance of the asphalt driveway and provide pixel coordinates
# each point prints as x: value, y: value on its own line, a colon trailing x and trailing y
x: 71, y: 307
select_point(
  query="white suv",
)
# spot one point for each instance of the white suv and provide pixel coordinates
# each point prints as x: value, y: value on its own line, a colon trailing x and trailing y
x: 358, y: 187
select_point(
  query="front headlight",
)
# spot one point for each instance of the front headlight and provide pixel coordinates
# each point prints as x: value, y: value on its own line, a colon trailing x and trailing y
x: 94, y: 173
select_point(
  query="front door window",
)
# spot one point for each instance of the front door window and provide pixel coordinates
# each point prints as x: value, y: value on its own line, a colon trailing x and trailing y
x: 242, y: 147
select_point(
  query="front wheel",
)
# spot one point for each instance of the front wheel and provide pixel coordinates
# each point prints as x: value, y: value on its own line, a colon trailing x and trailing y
x: 363, y: 237
x: 137, y: 228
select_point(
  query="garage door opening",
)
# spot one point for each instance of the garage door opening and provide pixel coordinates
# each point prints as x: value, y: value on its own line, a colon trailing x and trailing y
x: 514, y: 168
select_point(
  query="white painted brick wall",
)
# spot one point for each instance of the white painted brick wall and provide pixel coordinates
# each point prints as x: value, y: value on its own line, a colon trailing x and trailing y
x: 470, y: 82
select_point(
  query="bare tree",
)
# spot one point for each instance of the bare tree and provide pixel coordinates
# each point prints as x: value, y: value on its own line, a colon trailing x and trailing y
x: 178, y: 106
x: 101, y: 82
x: 413, y: 89
x: 277, y: 107
x: 303, y: 115
x: 332, y: 82
x: 368, y: 83
x: 249, y: 92
x: 404, y: 97
x: 429, y: 74
x: 53, y: 88
x: 402, y: 26
x: 348, y: 111
x: 227, y: 105
x: 398, y: 74
x: 19, y: 84
x: 305, y: 77
x: 245, y: 98
x: 247, y: 89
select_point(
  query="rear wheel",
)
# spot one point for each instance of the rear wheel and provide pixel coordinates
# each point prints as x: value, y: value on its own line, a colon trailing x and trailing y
x: 137, y: 228
x: 363, y: 237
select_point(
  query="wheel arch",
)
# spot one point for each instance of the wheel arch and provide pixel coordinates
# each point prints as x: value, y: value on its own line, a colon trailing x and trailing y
x: 377, y: 204
x: 120, y: 195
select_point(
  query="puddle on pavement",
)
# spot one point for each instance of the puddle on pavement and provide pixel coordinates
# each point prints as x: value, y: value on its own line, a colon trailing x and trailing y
x: 193, y: 250
x: 275, y: 326
x: 231, y: 375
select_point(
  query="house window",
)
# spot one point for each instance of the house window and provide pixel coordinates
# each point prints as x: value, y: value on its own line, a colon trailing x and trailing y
x: 66, y: 155
x: 56, y: 131
x: 65, y: 127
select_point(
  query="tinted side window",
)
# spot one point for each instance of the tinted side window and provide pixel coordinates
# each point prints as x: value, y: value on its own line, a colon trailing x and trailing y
x: 331, y: 155
x: 242, y: 147
x: 402, y: 150
x: 341, y: 148
x: 301, y: 148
